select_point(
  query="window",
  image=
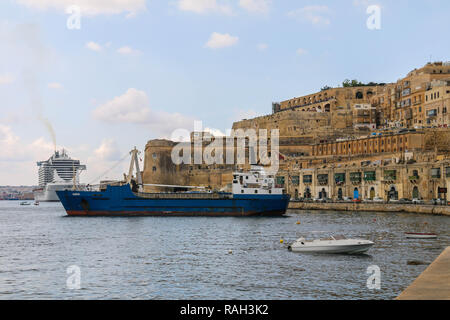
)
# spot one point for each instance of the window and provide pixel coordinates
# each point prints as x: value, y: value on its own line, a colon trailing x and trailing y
x: 154, y: 169
x: 436, y: 173
x: 154, y: 156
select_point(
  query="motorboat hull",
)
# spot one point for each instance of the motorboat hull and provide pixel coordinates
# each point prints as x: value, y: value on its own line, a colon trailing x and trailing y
x: 347, y: 247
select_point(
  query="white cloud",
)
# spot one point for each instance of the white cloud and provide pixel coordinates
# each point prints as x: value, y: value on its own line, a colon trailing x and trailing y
x: 218, y: 40
x: 55, y: 85
x: 131, y: 107
x: 6, y: 79
x: 128, y: 51
x: 316, y: 15
x: 204, y: 6
x: 94, y: 46
x: 256, y: 6
x: 214, y: 132
x: 134, y: 107
x: 90, y: 7
x: 14, y: 149
x: 301, y: 51
x: 108, y: 150
x: 240, y: 115
x: 8, y: 142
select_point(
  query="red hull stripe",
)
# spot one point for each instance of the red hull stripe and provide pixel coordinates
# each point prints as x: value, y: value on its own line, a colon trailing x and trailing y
x: 170, y: 214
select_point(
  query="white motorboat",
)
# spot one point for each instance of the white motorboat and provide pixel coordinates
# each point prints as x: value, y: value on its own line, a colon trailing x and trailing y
x: 412, y: 235
x: 25, y: 203
x: 336, y: 244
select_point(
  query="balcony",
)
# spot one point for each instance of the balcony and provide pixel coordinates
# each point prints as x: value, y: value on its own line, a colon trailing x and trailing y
x: 435, y: 173
x: 307, y: 179
x: 414, y: 179
x: 322, y: 179
x: 280, y: 182
x: 355, y: 177
x: 390, y: 177
x: 339, y: 179
x: 370, y: 177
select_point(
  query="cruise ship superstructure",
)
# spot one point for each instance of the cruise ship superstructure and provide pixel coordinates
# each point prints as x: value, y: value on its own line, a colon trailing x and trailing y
x: 59, y: 172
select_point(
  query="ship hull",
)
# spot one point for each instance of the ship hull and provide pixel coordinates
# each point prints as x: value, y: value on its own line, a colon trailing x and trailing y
x: 48, y: 193
x: 46, y: 196
x: 119, y: 201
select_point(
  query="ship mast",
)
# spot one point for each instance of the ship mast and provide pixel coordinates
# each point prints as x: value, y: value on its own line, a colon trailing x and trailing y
x: 134, y: 164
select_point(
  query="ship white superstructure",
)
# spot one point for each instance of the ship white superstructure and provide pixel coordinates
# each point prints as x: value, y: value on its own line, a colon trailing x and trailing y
x: 59, y: 172
x: 257, y: 181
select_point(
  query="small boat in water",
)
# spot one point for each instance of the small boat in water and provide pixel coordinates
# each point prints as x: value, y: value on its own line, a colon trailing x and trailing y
x: 337, y: 244
x: 414, y: 235
x: 36, y: 203
x: 25, y: 203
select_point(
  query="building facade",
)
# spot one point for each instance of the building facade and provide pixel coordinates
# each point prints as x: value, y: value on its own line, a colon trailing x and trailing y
x: 389, y: 141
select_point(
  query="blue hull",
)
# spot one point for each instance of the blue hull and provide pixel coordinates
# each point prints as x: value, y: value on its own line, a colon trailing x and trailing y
x: 121, y: 201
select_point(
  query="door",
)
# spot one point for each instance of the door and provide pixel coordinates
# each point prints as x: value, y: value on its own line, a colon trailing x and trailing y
x: 372, y: 193
x: 356, y: 194
x: 340, y: 194
x: 415, y: 193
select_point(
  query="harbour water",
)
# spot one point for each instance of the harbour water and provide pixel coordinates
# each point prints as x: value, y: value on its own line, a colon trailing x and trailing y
x: 205, y: 258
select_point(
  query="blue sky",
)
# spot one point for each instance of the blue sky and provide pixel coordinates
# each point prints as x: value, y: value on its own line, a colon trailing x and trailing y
x: 137, y: 69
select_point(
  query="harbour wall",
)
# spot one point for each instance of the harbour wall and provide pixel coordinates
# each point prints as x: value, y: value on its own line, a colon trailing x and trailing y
x: 433, y: 283
x: 371, y: 207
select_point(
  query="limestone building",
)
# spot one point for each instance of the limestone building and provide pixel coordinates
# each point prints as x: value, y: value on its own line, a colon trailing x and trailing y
x: 383, y: 140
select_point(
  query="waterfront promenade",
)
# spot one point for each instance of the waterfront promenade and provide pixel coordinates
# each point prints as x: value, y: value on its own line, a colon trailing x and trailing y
x: 371, y: 207
x: 433, y: 283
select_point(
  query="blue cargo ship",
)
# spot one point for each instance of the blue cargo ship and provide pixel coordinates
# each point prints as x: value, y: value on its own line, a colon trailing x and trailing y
x: 122, y: 201
x: 254, y: 193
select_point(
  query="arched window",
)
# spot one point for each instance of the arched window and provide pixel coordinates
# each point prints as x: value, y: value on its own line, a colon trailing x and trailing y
x: 359, y: 95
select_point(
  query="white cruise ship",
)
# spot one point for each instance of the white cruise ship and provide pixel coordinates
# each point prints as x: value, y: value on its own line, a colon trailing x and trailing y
x: 59, y: 172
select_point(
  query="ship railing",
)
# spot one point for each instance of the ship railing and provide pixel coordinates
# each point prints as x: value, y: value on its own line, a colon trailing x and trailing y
x: 184, y: 195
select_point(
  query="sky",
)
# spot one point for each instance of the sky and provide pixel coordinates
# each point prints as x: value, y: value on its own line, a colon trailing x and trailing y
x: 98, y: 77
